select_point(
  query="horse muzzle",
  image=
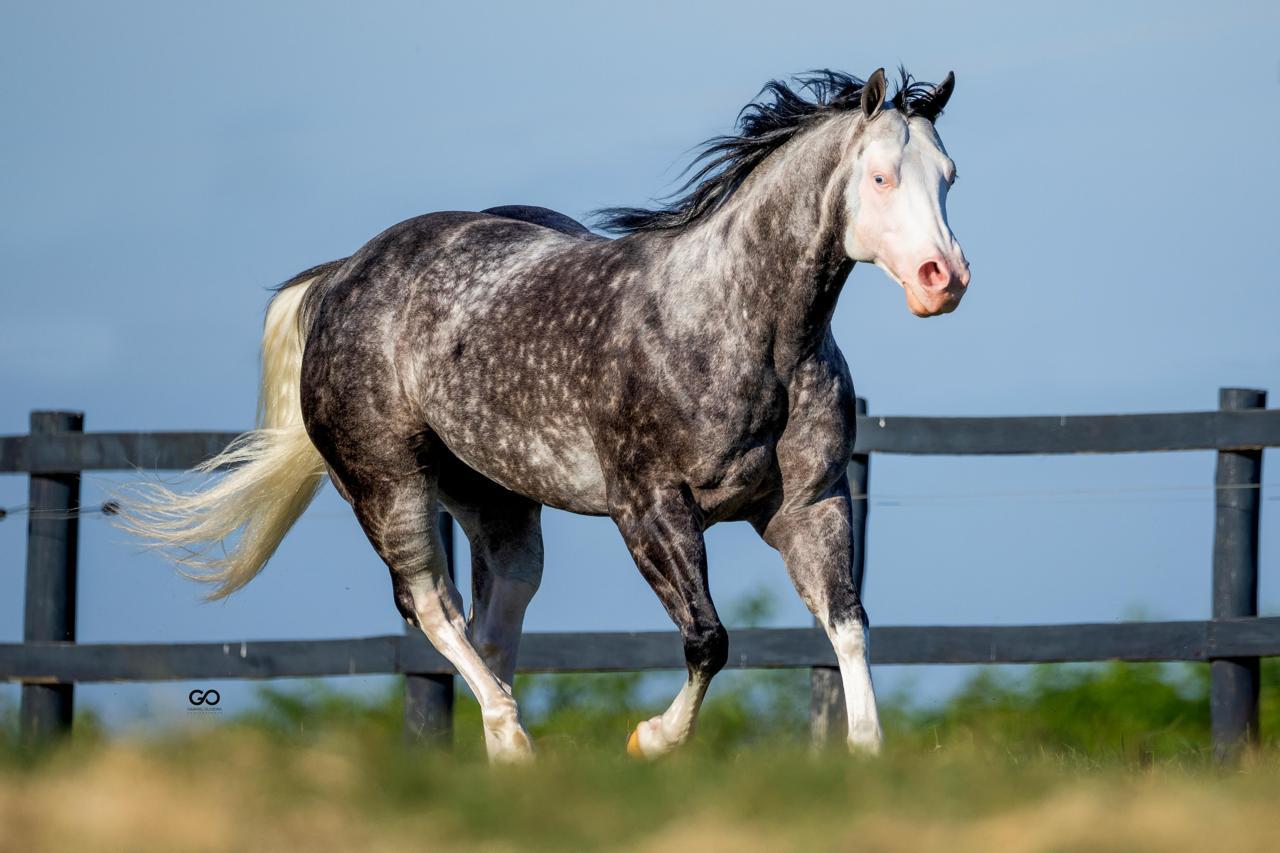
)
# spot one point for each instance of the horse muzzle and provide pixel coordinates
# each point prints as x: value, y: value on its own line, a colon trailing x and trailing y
x: 937, y: 287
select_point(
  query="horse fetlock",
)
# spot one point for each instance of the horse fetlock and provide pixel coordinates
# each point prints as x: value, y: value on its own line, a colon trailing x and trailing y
x: 865, y: 737
x: 504, y: 716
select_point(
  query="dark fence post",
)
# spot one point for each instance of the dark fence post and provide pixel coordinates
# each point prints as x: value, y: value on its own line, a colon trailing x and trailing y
x: 428, y: 699
x: 827, y: 714
x: 53, y: 533
x: 1233, y: 696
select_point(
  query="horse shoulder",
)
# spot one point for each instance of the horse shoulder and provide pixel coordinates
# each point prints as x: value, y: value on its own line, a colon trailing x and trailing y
x: 817, y: 441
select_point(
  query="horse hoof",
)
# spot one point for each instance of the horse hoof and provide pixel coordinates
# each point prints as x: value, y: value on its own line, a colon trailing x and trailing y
x: 647, y: 741
x: 633, y: 744
x: 515, y: 748
x: 512, y: 757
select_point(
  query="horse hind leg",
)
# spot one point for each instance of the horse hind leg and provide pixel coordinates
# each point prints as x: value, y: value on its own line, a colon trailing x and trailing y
x: 398, y: 513
x: 505, y: 533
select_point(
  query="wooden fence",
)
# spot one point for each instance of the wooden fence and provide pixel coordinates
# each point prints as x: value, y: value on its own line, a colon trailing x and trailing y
x: 49, y: 662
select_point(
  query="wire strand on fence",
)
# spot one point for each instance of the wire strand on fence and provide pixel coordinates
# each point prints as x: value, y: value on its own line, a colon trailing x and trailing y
x: 1135, y: 494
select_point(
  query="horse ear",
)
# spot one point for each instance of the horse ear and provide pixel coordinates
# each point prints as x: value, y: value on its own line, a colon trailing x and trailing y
x: 930, y: 105
x: 873, y: 93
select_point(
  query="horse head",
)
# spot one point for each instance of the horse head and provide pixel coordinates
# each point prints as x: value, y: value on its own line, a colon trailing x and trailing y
x: 896, y: 196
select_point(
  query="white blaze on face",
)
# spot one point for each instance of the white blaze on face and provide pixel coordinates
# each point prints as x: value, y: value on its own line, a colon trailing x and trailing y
x: 897, y: 212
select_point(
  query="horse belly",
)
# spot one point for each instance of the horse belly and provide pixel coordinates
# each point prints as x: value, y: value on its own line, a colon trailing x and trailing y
x: 554, y: 464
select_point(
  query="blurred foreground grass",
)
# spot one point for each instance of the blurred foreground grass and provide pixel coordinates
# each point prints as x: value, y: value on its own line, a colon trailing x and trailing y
x: 1069, y: 758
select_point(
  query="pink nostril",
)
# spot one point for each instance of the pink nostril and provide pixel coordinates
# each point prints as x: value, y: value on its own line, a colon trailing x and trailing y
x: 933, y: 274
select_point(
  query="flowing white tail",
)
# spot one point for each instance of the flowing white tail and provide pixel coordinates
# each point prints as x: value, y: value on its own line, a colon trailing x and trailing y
x: 268, y: 476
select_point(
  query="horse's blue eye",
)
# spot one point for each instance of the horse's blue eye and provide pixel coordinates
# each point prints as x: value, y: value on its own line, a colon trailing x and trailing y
x: 879, y: 179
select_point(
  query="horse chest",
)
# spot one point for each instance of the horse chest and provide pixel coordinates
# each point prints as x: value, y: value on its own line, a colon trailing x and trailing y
x: 740, y: 482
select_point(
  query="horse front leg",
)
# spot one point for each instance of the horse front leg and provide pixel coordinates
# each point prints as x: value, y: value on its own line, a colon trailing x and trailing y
x: 816, y: 543
x: 663, y: 530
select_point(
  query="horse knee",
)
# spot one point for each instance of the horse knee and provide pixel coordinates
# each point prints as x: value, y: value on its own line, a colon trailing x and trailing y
x: 706, y: 649
x: 841, y: 607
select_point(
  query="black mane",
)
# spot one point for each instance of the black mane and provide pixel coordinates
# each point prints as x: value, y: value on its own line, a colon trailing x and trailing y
x: 764, y: 126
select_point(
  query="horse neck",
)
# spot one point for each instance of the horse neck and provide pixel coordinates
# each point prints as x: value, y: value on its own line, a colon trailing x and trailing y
x: 765, y: 270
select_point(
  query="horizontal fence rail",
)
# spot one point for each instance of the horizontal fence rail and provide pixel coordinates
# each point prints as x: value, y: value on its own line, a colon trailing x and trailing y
x: 996, y: 436
x: 616, y: 651
x: 1220, y: 430
x: 49, y: 662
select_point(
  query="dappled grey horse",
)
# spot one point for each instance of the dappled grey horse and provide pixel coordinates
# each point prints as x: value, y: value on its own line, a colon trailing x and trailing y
x: 678, y: 376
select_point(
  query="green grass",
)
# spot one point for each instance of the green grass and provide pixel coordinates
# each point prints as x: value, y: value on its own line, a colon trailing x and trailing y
x: 1063, y: 758
x: 1104, y: 713
x: 1052, y: 758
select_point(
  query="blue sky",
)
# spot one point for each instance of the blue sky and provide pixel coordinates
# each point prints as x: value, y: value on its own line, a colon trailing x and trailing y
x: 162, y: 164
